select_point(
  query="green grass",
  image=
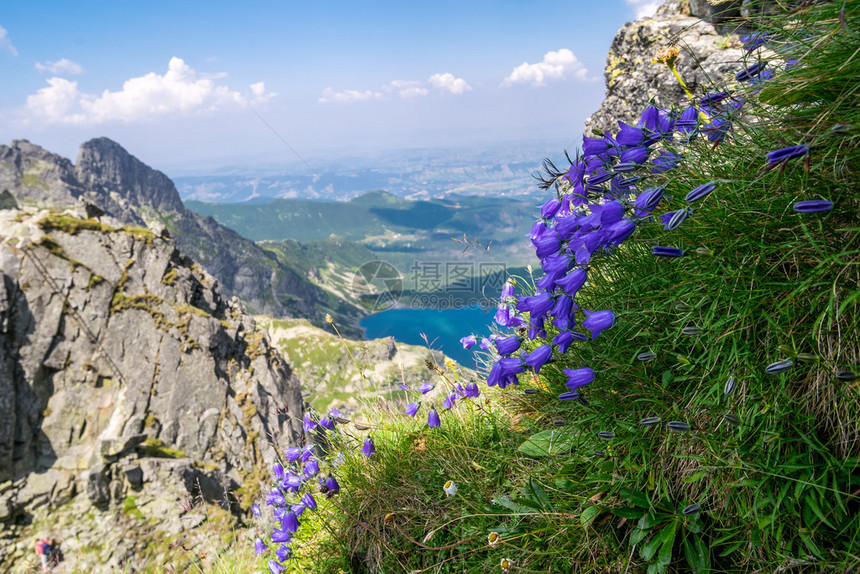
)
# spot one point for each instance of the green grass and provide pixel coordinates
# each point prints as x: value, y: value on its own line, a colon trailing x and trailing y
x: 771, y: 465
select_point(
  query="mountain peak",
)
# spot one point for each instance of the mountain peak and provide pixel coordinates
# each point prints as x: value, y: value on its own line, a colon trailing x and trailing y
x: 106, y: 167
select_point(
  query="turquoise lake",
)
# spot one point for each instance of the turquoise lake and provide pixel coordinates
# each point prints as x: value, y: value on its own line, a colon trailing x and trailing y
x: 444, y: 329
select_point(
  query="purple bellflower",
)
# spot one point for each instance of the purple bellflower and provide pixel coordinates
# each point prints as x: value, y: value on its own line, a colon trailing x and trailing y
x: 433, y: 418
x: 578, y: 377
x: 369, y: 449
x: 598, y: 321
x: 469, y: 341
x: 413, y: 408
x: 538, y: 358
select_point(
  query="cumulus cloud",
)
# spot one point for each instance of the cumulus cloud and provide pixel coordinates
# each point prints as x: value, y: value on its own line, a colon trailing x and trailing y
x: 448, y: 83
x: 330, y: 96
x: 181, y: 90
x: 63, y: 67
x: 406, y: 89
x: 555, y: 66
x: 5, y: 42
x: 643, y: 7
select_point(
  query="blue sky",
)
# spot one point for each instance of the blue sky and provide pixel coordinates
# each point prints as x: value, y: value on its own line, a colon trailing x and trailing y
x: 191, y: 84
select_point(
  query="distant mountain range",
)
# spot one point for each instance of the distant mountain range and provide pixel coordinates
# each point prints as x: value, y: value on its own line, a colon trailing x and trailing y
x: 502, y: 170
x: 439, y: 246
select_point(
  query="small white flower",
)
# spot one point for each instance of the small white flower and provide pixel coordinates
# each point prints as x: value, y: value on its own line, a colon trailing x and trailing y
x: 493, y: 539
x: 507, y: 565
x: 450, y: 488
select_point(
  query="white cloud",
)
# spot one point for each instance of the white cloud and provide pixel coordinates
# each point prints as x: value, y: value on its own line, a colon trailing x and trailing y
x: 448, y: 83
x: 555, y: 66
x: 180, y: 90
x: 643, y: 7
x: 406, y: 89
x: 5, y: 42
x: 330, y: 96
x: 61, y: 67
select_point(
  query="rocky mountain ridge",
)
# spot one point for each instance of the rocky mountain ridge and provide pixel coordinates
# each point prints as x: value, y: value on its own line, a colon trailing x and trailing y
x: 136, y: 403
x: 108, y: 179
x: 709, y: 38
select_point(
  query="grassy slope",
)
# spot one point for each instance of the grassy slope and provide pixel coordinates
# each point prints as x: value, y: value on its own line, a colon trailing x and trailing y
x: 778, y: 490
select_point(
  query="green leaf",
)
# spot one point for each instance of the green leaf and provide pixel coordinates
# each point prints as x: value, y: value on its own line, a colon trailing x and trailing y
x: 627, y: 512
x: 697, y: 476
x: 588, y: 515
x: 664, y: 558
x: 547, y: 443
x: 511, y: 505
x: 667, y: 377
x: 696, y: 554
x: 650, y: 548
x: 635, y: 497
x: 813, y: 504
x: 637, y: 536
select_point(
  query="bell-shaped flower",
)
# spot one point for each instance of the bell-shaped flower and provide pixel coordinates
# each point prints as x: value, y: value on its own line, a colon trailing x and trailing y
x: 629, y: 135
x: 469, y: 341
x: 598, y: 321
x: 309, y: 501
x: 283, y: 552
x: 750, y: 72
x: 275, y: 568
x: 573, y: 281
x: 412, y: 408
x: 309, y: 423
x: 275, y: 498
x: 369, y: 449
x: 537, y: 305
x: 537, y: 358
x: 665, y: 161
x: 259, y: 547
x: 291, y: 522
x: 578, y: 377
x: 507, y: 345
x: 426, y: 388
x: 636, y: 155
x: 550, y: 208
x: 293, y: 453
x: 433, y: 418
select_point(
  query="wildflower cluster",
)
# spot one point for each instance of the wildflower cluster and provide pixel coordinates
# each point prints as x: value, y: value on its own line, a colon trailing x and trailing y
x: 601, y: 199
x: 290, y: 495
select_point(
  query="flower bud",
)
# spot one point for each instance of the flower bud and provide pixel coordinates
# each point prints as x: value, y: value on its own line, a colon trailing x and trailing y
x: 845, y: 375
x: 704, y: 252
x: 779, y: 367
x: 690, y: 510
x: 807, y: 357
x: 787, y: 350
x: 682, y: 307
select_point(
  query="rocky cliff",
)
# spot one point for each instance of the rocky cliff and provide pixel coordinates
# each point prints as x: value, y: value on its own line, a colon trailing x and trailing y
x: 107, y: 178
x: 708, y: 36
x: 135, y: 402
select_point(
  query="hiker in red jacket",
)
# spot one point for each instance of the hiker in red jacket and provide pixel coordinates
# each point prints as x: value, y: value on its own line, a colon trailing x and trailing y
x: 44, y: 549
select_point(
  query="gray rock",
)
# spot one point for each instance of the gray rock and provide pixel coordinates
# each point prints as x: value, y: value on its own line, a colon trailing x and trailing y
x: 122, y: 395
